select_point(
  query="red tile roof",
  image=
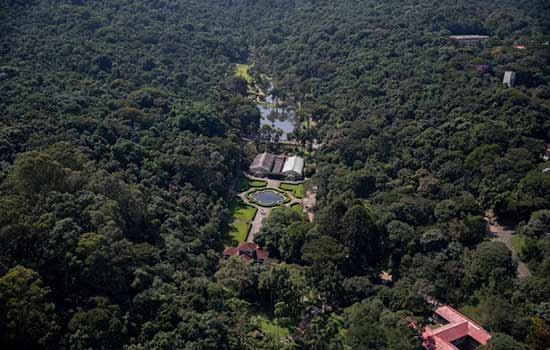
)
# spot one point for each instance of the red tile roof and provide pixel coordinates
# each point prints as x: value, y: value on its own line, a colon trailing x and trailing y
x: 459, y: 326
x: 247, y: 251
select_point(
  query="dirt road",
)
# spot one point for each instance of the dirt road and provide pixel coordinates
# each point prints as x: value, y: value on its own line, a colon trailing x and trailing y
x: 502, y: 234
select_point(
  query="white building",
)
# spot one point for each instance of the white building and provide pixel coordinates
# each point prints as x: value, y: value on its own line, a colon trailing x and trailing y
x: 293, y: 168
x: 509, y: 78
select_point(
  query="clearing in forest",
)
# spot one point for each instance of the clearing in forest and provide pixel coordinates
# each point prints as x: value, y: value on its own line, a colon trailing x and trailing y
x: 242, y: 71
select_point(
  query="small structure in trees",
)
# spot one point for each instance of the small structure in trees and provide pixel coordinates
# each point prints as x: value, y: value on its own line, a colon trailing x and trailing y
x: 457, y: 331
x: 509, y: 78
x: 248, y: 251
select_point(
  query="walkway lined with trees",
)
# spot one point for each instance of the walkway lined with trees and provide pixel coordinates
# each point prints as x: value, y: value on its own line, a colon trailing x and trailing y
x: 504, y: 235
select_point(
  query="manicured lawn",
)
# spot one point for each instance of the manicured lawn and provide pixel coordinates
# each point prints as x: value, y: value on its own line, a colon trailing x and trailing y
x: 242, y: 71
x: 241, y: 211
x: 239, y: 231
x: 297, y: 189
x: 518, y: 242
x: 246, y: 184
x: 257, y: 183
x: 298, y: 208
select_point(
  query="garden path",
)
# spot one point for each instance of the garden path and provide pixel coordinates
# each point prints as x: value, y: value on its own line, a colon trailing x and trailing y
x: 504, y: 235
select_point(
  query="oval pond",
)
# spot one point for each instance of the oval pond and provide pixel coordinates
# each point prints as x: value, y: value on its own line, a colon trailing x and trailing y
x: 267, y: 197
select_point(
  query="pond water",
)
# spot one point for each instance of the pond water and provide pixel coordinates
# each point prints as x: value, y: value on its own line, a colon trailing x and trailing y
x: 276, y: 117
x: 267, y: 197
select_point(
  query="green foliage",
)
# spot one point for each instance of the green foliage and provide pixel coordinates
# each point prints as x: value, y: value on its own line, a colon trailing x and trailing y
x: 121, y: 141
x: 28, y: 318
x: 490, y: 264
x: 501, y: 341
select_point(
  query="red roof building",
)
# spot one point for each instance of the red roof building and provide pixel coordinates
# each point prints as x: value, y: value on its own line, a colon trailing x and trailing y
x: 248, y: 251
x: 458, y: 329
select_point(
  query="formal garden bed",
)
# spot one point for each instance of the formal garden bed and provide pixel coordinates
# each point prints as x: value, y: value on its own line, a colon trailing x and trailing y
x: 239, y: 231
x: 242, y: 211
x: 247, y: 184
x: 297, y: 189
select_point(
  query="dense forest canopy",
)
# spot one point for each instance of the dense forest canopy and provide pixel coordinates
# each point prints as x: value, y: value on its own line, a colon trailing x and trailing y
x: 124, y: 133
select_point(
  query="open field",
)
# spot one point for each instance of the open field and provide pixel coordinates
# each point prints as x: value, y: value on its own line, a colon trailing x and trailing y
x: 272, y: 326
x: 242, y: 71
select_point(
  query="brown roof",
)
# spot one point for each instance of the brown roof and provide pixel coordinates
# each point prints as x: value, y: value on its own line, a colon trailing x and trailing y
x: 263, y: 160
x: 247, y: 251
x: 278, y: 165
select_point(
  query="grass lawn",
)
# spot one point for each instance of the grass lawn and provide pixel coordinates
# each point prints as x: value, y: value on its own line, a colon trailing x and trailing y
x: 257, y: 183
x: 272, y: 326
x: 246, y: 184
x: 239, y: 231
x: 298, y: 189
x: 241, y: 211
x: 242, y: 71
x: 518, y: 242
x: 297, y: 208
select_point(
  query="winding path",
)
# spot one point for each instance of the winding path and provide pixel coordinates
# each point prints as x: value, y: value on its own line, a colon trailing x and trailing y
x: 502, y: 234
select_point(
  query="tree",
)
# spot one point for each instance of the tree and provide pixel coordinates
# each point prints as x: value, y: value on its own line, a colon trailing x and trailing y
x: 101, y: 326
x: 539, y: 336
x: 36, y: 172
x: 238, y: 275
x: 490, y: 264
x: 361, y: 236
x: 500, y: 341
x: 28, y: 319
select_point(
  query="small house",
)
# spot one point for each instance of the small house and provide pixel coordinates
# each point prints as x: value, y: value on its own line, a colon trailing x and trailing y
x: 509, y: 78
x: 248, y: 251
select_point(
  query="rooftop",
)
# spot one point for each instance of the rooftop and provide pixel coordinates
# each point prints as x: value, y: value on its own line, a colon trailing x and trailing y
x: 459, y: 326
x: 294, y: 163
x: 247, y: 251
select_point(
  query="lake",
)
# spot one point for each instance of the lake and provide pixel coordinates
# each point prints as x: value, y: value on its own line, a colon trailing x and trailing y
x: 276, y: 117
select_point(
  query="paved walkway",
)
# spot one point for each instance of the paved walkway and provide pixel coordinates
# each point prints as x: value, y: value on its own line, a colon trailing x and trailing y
x: 502, y: 234
x: 309, y: 202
